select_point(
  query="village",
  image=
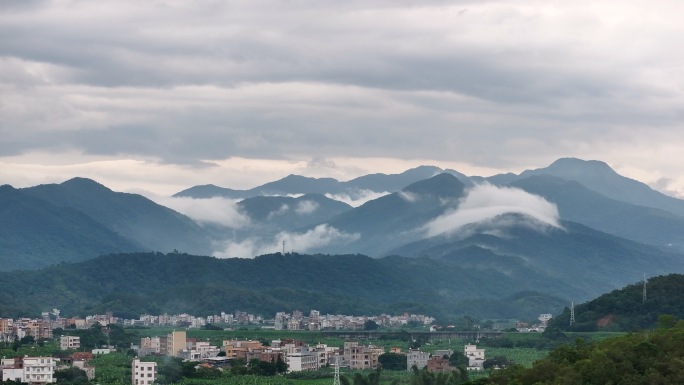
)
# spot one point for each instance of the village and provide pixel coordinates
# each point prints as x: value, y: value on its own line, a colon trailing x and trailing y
x: 292, y: 354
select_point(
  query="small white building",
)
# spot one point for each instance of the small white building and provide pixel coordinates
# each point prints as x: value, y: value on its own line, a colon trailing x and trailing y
x: 143, y: 373
x: 69, y: 342
x: 476, y: 357
x: 545, y: 318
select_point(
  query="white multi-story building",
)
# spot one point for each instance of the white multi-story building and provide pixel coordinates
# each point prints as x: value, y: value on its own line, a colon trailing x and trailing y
x: 417, y: 358
x: 476, y: 357
x: 69, y: 342
x: 143, y: 373
x: 39, y: 370
x: 299, y: 358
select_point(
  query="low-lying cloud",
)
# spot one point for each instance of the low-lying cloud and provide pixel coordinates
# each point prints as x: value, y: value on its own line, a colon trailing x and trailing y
x: 320, y: 236
x: 281, y: 211
x: 358, y: 197
x: 306, y: 207
x: 216, y: 210
x: 485, y: 202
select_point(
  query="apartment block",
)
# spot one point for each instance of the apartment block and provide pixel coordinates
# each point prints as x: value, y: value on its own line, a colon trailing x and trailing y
x: 143, y: 373
x: 175, y: 343
x: 69, y: 342
x: 362, y: 357
x: 476, y: 357
x: 417, y: 358
x: 38, y: 370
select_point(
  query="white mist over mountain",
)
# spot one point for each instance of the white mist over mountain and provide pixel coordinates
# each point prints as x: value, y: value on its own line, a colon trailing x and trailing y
x: 485, y: 202
x: 357, y: 198
x: 215, y: 210
x: 321, y: 235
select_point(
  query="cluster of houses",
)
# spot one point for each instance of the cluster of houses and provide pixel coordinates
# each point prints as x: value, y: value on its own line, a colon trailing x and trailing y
x: 438, y: 361
x: 41, y: 370
x: 316, y: 321
x: 298, y: 355
x: 524, y: 327
x: 41, y: 328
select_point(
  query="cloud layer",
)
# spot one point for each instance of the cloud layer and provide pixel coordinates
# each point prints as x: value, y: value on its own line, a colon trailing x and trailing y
x: 320, y: 236
x: 496, y: 84
x: 216, y: 210
x: 486, y: 202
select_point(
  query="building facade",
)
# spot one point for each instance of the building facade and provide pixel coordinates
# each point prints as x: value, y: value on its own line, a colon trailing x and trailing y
x: 38, y: 370
x: 69, y: 342
x: 417, y: 358
x: 143, y: 373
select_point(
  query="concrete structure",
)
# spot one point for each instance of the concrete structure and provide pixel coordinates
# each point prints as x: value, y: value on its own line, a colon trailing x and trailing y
x: 151, y: 346
x: 438, y: 364
x: 476, y: 357
x: 69, y: 342
x: 417, y: 358
x: 38, y: 370
x: 241, y: 349
x: 143, y: 373
x: 198, y: 351
x: 362, y: 357
x: 13, y: 374
x: 175, y: 343
x: 443, y: 352
x: 300, y: 358
x: 83, y: 365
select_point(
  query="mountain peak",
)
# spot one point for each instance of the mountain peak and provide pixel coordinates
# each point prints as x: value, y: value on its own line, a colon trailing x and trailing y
x: 444, y: 184
x: 83, y: 183
x: 570, y: 164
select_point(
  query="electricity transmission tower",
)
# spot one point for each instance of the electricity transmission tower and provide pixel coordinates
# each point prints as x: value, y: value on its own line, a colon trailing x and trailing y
x: 643, y: 296
x: 572, y: 313
x: 336, y: 381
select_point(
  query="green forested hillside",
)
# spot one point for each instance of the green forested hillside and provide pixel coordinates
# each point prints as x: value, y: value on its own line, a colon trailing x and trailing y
x: 625, y: 310
x: 655, y: 357
x: 353, y: 284
x: 35, y: 233
x: 132, y: 216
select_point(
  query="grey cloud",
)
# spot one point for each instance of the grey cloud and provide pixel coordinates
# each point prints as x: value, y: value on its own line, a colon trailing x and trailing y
x: 335, y: 78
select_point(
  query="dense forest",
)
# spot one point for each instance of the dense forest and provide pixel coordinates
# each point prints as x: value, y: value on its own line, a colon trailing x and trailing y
x: 625, y: 309
x: 156, y: 283
x: 652, y: 357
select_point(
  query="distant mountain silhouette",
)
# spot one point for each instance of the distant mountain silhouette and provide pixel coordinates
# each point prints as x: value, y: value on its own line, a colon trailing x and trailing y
x: 598, y: 176
x: 577, y: 203
x: 297, y: 184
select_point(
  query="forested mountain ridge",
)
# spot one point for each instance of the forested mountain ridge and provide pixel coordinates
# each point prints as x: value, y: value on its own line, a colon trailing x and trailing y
x: 352, y: 284
x: 132, y: 216
x: 625, y: 309
x: 35, y: 233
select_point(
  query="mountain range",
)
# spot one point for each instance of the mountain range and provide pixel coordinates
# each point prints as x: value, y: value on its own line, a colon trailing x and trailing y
x: 571, y: 231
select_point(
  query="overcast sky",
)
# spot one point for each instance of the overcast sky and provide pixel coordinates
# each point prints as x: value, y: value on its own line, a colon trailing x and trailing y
x: 162, y: 95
